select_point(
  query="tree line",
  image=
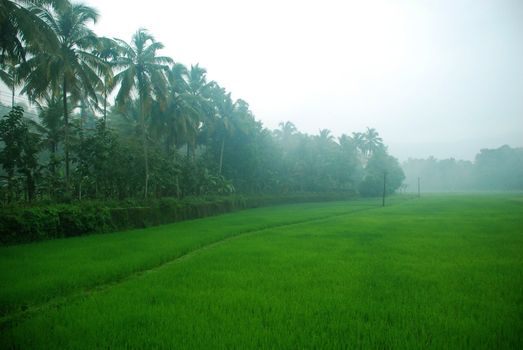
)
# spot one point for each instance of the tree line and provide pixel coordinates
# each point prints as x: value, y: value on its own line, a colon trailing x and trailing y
x: 499, y: 169
x: 118, y: 120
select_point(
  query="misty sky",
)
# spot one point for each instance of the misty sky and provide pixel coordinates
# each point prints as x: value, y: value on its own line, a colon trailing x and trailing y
x: 442, y: 77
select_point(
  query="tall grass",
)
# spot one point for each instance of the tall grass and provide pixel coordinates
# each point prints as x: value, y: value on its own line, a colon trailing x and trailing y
x: 34, y: 273
x: 439, y: 272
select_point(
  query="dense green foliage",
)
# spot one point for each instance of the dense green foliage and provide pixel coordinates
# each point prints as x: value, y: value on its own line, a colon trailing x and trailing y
x: 19, y: 152
x: 28, y: 224
x: 169, y: 133
x: 436, y: 272
x: 498, y: 169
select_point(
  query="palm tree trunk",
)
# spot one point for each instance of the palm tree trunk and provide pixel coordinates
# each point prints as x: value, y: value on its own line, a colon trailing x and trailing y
x: 66, y: 136
x: 53, y: 157
x: 9, y: 187
x: 177, y: 187
x: 13, y: 94
x: 146, y: 160
x: 30, y: 183
x: 105, y: 102
x: 52, y: 163
x: 221, y: 156
x: 13, y: 86
x: 145, y: 151
x: 82, y: 119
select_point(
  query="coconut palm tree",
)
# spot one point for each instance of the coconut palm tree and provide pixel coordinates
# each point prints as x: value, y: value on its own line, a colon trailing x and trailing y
x: 72, y: 69
x: 347, y: 143
x: 359, y: 141
x: 224, y: 110
x: 182, y: 112
x: 50, y: 127
x: 373, y: 142
x: 21, y: 26
x: 325, y: 137
x: 200, y: 96
x: 10, y: 77
x: 22, y: 31
x: 108, y: 51
x: 142, y: 73
x: 286, y: 131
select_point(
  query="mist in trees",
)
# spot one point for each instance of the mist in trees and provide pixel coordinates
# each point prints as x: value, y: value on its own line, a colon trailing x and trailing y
x: 169, y: 131
x: 498, y: 169
x: 107, y: 160
x: 116, y: 120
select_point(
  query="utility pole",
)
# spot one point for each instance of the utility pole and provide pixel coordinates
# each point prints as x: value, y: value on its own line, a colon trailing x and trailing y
x: 384, y: 187
x: 419, y: 192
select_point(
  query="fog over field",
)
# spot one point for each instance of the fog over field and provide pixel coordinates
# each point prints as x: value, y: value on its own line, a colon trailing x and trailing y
x: 441, y: 78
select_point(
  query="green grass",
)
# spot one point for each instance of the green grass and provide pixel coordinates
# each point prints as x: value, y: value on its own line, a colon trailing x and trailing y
x: 437, y: 272
x: 35, y: 273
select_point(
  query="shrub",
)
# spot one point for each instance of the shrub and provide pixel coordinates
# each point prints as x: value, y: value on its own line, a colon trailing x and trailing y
x: 27, y: 224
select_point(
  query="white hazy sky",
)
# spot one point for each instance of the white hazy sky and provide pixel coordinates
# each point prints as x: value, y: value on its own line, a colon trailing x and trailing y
x: 442, y: 77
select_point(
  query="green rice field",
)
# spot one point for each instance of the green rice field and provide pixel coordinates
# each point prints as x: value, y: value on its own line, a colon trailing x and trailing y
x: 437, y: 272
